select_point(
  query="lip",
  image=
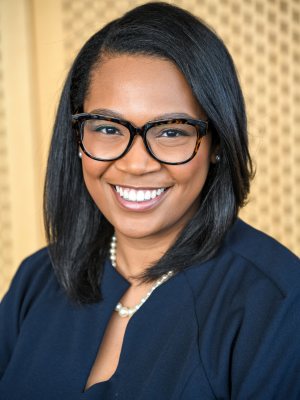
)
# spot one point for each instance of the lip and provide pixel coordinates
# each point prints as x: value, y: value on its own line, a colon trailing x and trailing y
x: 139, y: 206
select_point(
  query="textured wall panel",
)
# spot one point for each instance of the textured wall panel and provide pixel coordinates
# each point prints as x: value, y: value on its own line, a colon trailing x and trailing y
x: 19, y: 229
x: 5, y: 220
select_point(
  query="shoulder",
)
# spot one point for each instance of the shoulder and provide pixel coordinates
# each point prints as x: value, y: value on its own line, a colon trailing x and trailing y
x: 265, y: 254
x: 33, y: 284
x: 37, y: 263
x: 247, y: 304
x: 35, y: 268
x: 248, y: 255
x: 33, y: 276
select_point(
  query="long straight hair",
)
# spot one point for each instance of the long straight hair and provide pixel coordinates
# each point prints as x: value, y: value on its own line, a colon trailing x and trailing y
x: 78, y: 233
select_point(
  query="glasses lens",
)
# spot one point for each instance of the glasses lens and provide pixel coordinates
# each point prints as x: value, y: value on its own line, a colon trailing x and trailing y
x: 172, y: 142
x: 104, y: 139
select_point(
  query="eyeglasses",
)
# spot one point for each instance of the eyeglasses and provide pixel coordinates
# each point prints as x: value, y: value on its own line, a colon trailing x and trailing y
x: 170, y: 141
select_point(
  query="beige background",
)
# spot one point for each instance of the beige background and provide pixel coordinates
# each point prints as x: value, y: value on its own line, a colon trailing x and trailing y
x: 40, y: 38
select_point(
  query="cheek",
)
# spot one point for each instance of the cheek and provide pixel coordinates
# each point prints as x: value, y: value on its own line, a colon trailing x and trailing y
x: 192, y: 175
x: 91, y: 169
x: 92, y: 172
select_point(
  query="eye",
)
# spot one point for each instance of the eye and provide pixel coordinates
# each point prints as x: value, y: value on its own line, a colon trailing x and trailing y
x: 171, y: 133
x: 108, y: 130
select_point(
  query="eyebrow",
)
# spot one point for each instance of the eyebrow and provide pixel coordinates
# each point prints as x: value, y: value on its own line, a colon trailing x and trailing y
x: 115, y: 114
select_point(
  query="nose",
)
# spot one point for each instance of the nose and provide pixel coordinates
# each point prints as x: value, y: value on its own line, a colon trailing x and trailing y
x: 137, y: 161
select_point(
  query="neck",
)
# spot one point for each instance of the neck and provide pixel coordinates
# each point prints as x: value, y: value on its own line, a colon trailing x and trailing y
x: 134, y: 255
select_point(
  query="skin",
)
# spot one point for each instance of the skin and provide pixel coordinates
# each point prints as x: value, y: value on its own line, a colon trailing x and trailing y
x: 141, y: 89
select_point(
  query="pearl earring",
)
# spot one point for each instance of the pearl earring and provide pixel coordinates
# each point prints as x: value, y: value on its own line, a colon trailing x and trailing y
x: 218, y: 158
x: 80, y: 154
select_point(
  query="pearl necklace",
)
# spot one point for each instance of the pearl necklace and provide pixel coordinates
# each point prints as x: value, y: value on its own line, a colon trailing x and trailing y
x: 124, y: 311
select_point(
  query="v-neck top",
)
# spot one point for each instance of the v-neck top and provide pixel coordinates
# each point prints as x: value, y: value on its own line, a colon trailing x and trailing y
x: 228, y: 328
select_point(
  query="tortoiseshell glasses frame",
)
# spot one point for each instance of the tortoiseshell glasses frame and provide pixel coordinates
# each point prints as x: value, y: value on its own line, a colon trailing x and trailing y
x: 202, y: 128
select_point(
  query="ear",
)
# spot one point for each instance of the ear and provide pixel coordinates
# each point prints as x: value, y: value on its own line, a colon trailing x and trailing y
x: 214, y: 153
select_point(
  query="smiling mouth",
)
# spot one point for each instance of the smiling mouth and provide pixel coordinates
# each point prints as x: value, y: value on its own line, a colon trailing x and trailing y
x: 139, y: 195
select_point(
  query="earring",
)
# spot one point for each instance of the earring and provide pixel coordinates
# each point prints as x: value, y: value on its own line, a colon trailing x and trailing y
x: 80, y: 154
x: 218, y: 158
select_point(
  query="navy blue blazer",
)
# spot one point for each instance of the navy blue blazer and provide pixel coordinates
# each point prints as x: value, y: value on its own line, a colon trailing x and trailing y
x: 226, y: 329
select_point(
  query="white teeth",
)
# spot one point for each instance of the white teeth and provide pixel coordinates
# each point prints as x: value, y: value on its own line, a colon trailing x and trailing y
x: 132, y: 195
x: 153, y: 194
x: 140, y: 196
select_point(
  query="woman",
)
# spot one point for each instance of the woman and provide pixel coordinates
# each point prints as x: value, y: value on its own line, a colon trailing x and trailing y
x: 149, y: 163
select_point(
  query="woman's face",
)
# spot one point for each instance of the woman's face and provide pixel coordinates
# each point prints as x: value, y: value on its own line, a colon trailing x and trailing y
x: 140, y: 89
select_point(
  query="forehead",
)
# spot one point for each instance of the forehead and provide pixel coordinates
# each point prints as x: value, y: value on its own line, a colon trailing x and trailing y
x: 141, y: 86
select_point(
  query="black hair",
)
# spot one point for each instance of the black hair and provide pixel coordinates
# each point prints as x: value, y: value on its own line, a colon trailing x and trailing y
x: 78, y: 234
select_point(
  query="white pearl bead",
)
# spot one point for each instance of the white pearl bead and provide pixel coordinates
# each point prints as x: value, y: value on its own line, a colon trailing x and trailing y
x: 112, y: 251
x: 170, y: 272
x: 118, y: 307
x: 164, y: 277
x: 153, y: 287
x: 113, y: 264
x: 131, y: 311
x: 114, y: 239
x: 148, y: 293
x: 143, y: 299
x: 113, y: 245
x: 113, y: 258
x: 137, y: 307
x: 123, y: 312
x: 158, y: 282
